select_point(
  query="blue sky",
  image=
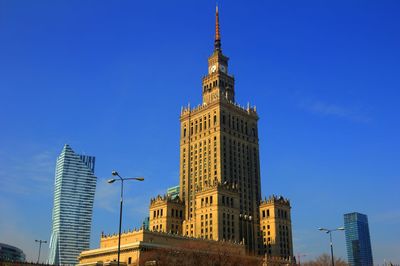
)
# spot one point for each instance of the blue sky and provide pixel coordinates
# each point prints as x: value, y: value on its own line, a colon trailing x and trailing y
x: 109, y: 78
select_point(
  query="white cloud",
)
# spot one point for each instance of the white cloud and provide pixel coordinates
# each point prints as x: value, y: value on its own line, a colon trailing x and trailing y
x: 329, y: 109
x: 28, y: 175
x: 106, y: 196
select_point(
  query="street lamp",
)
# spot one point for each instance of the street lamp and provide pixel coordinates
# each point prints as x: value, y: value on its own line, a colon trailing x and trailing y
x: 329, y: 231
x: 110, y: 181
x: 299, y: 255
x: 40, y: 247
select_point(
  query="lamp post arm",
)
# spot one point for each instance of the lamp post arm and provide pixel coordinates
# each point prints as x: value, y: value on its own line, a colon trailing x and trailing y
x: 115, y: 173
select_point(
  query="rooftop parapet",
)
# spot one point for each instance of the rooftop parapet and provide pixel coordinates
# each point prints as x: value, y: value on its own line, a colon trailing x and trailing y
x: 186, y: 110
x: 217, y: 186
x: 143, y: 230
x: 276, y: 199
x: 115, y: 235
x: 165, y: 199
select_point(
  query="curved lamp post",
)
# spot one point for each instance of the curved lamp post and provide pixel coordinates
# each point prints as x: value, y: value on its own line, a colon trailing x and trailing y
x: 329, y: 231
x: 110, y: 181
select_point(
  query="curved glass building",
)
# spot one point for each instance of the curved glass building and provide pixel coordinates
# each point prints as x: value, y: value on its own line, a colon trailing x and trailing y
x: 75, y: 185
x: 11, y: 253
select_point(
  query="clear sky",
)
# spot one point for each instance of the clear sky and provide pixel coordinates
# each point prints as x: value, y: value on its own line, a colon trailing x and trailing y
x: 109, y: 78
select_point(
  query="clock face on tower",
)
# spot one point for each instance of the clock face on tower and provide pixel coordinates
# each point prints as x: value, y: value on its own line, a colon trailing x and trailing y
x: 213, y: 68
x: 222, y: 68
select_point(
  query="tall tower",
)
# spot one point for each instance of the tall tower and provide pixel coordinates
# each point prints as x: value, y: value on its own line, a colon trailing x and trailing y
x: 219, y: 160
x: 75, y: 185
x: 358, y: 242
x: 276, y: 227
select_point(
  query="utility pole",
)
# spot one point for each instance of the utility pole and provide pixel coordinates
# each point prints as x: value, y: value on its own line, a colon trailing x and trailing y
x: 299, y: 255
x: 40, y: 247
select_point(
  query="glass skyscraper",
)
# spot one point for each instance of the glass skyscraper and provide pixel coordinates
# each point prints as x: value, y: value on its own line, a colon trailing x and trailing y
x: 358, y: 242
x: 75, y: 185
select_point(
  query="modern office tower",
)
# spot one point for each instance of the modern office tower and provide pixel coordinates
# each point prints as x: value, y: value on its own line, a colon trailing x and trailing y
x: 276, y: 227
x: 358, y: 242
x: 146, y: 223
x: 219, y: 160
x: 75, y: 185
x: 173, y: 192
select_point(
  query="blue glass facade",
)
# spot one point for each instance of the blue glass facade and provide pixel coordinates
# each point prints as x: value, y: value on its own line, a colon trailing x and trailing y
x: 358, y: 242
x: 173, y: 192
x: 75, y: 185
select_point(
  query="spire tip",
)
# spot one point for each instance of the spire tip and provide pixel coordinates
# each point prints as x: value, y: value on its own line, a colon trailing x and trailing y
x: 217, y: 42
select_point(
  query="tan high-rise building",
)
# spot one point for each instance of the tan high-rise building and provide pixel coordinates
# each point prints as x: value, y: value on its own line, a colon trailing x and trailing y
x: 166, y: 215
x: 219, y: 150
x: 276, y: 227
x: 219, y: 202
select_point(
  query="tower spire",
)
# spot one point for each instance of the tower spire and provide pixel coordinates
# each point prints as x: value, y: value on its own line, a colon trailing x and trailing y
x: 217, y: 42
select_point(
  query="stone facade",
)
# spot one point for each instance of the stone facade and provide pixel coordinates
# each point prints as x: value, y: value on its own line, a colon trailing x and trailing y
x: 219, y: 185
x: 219, y: 145
x: 276, y: 227
x: 136, y: 243
x: 166, y: 214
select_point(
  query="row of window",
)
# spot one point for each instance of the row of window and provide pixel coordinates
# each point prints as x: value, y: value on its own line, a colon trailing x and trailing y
x: 176, y: 213
x: 200, y: 171
x: 239, y: 166
x: 216, y: 83
x: 284, y: 252
x: 206, y: 200
x: 200, y: 124
x: 158, y: 213
x: 236, y: 123
x: 232, y: 122
x: 196, y: 167
x: 279, y: 213
x: 157, y: 227
x: 227, y: 201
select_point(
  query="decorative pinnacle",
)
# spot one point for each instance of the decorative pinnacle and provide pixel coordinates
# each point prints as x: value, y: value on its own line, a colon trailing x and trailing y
x: 217, y: 42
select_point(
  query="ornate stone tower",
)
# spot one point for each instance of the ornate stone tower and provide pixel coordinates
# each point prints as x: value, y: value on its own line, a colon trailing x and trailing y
x: 276, y: 227
x: 219, y: 150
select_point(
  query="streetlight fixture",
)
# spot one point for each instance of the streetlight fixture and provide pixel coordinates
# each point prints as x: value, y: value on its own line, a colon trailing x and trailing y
x: 110, y: 181
x: 40, y: 247
x: 299, y: 255
x: 329, y: 231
